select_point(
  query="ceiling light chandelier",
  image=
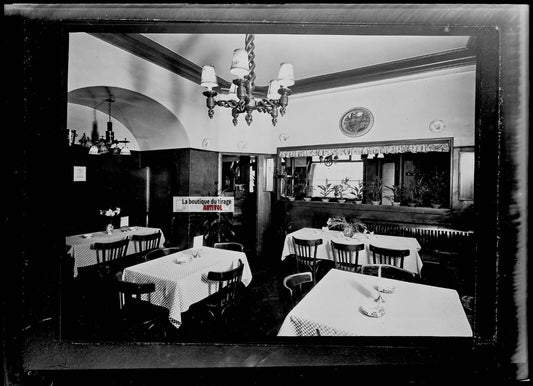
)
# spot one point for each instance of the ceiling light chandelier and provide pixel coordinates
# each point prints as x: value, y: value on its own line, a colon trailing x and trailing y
x: 108, y: 144
x: 242, y: 89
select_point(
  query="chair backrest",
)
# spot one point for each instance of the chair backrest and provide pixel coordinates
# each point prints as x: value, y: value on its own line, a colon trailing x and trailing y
x: 346, y: 256
x: 389, y: 271
x: 157, y: 253
x: 230, y: 245
x: 293, y: 283
x: 147, y: 242
x: 388, y: 256
x: 131, y: 292
x: 106, y: 252
x: 227, y: 286
x: 305, y: 251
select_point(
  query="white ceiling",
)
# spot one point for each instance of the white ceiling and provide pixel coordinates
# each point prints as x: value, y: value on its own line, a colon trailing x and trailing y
x: 311, y: 55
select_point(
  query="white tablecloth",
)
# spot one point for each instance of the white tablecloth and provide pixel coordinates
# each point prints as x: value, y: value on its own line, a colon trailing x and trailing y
x: 80, y: 247
x: 333, y: 307
x: 411, y: 263
x: 178, y: 286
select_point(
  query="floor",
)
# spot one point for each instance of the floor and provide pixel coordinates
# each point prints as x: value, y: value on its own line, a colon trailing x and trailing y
x: 258, y: 316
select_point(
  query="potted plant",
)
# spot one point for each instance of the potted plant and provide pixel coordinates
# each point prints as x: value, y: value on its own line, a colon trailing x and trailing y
x: 339, y: 189
x: 218, y: 229
x: 357, y: 191
x: 417, y: 192
x: 375, y: 189
x: 436, y: 189
x: 397, y: 192
x: 325, y: 191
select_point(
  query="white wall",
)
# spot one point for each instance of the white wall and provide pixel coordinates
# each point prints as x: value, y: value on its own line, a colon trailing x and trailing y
x: 402, y: 109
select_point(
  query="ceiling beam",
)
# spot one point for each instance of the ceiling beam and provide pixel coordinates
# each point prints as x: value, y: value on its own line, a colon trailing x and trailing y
x: 148, y: 49
x: 399, y: 68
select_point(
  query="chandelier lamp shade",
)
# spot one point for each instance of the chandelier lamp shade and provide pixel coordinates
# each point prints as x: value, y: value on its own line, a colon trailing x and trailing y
x: 107, y: 145
x: 241, y: 99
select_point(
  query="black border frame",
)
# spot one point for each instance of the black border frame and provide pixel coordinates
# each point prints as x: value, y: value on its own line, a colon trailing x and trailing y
x: 499, y: 122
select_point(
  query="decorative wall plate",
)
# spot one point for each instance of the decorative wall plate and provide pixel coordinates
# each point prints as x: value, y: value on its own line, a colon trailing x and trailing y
x: 283, y: 137
x: 356, y: 122
x: 205, y: 143
x: 437, y: 126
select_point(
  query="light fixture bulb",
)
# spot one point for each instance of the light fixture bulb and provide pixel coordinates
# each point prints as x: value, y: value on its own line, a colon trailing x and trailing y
x: 273, y: 88
x: 286, y: 75
x: 239, y: 64
x: 209, y: 77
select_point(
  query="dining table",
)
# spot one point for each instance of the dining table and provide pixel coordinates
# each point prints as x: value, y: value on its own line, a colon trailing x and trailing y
x: 80, y: 247
x: 344, y: 304
x: 181, y: 278
x: 412, y: 262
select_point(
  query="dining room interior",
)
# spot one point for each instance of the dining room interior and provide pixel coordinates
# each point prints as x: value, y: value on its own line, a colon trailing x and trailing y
x: 223, y: 183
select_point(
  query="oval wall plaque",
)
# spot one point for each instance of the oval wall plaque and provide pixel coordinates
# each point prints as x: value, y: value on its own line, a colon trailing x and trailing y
x: 356, y: 122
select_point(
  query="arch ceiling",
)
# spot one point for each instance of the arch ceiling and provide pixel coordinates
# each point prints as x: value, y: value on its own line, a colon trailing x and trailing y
x: 152, y: 124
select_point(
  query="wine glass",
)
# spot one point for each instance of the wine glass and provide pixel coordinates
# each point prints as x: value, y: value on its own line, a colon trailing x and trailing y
x: 379, y: 299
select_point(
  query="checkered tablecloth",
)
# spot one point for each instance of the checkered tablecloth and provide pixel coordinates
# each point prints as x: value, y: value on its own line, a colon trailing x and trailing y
x: 80, y: 246
x: 333, y: 307
x: 412, y: 263
x: 178, y: 286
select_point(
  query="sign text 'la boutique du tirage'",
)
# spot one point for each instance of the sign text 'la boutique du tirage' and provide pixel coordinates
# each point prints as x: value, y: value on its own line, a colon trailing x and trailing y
x: 203, y: 204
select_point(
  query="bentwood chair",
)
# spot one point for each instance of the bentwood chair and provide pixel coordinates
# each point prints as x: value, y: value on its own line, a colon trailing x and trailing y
x: 157, y: 253
x: 388, y: 256
x: 390, y: 272
x: 146, y: 243
x: 106, y: 252
x: 305, y: 252
x: 139, y: 317
x: 223, y: 301
x: 295, y: 285
x: 346, y: 256
x: 230, y: 245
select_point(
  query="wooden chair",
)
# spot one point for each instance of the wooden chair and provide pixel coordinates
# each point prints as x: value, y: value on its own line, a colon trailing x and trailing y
x: 139, y: 317
x: 157, y: 253
x: 230, y: 245
x: 105, y: 252
x: 305, y: 252
x: 390, y: 272
x: 346, y: 256
x: 294, y: 284
x: 223, y: 301
x: 388, y: 256
x: 145, y: 243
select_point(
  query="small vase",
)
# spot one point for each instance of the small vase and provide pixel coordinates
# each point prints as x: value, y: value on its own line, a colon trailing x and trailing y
x: 325, y: 200
x: 341, y: 200
x: 376, y: 202
x: 307, y: 199
x: 395, y: 203
x: 109, y: 229
x: 358, y: 202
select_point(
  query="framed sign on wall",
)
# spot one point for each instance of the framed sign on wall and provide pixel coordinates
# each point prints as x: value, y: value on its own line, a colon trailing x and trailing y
x: 356, y: 122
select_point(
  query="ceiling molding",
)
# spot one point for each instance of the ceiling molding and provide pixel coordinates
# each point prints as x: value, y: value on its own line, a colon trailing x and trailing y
x: 145, y: 48
x: 152, y: 51
x: 400, y: 68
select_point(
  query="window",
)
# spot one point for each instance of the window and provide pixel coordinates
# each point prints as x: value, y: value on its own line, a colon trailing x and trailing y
x: 320, y: 174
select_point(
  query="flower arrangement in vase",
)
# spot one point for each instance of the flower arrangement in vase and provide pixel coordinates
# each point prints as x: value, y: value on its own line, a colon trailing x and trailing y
x: 348, y: 228
x: 110, y: 214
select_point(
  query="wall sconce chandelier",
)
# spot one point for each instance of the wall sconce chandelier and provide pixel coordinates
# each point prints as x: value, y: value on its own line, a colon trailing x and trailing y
x: 108, y: 144
x: 243, y: 66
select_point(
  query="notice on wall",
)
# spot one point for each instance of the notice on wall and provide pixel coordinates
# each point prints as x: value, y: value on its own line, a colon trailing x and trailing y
x: 203, y: 204
x: 80, y: 174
